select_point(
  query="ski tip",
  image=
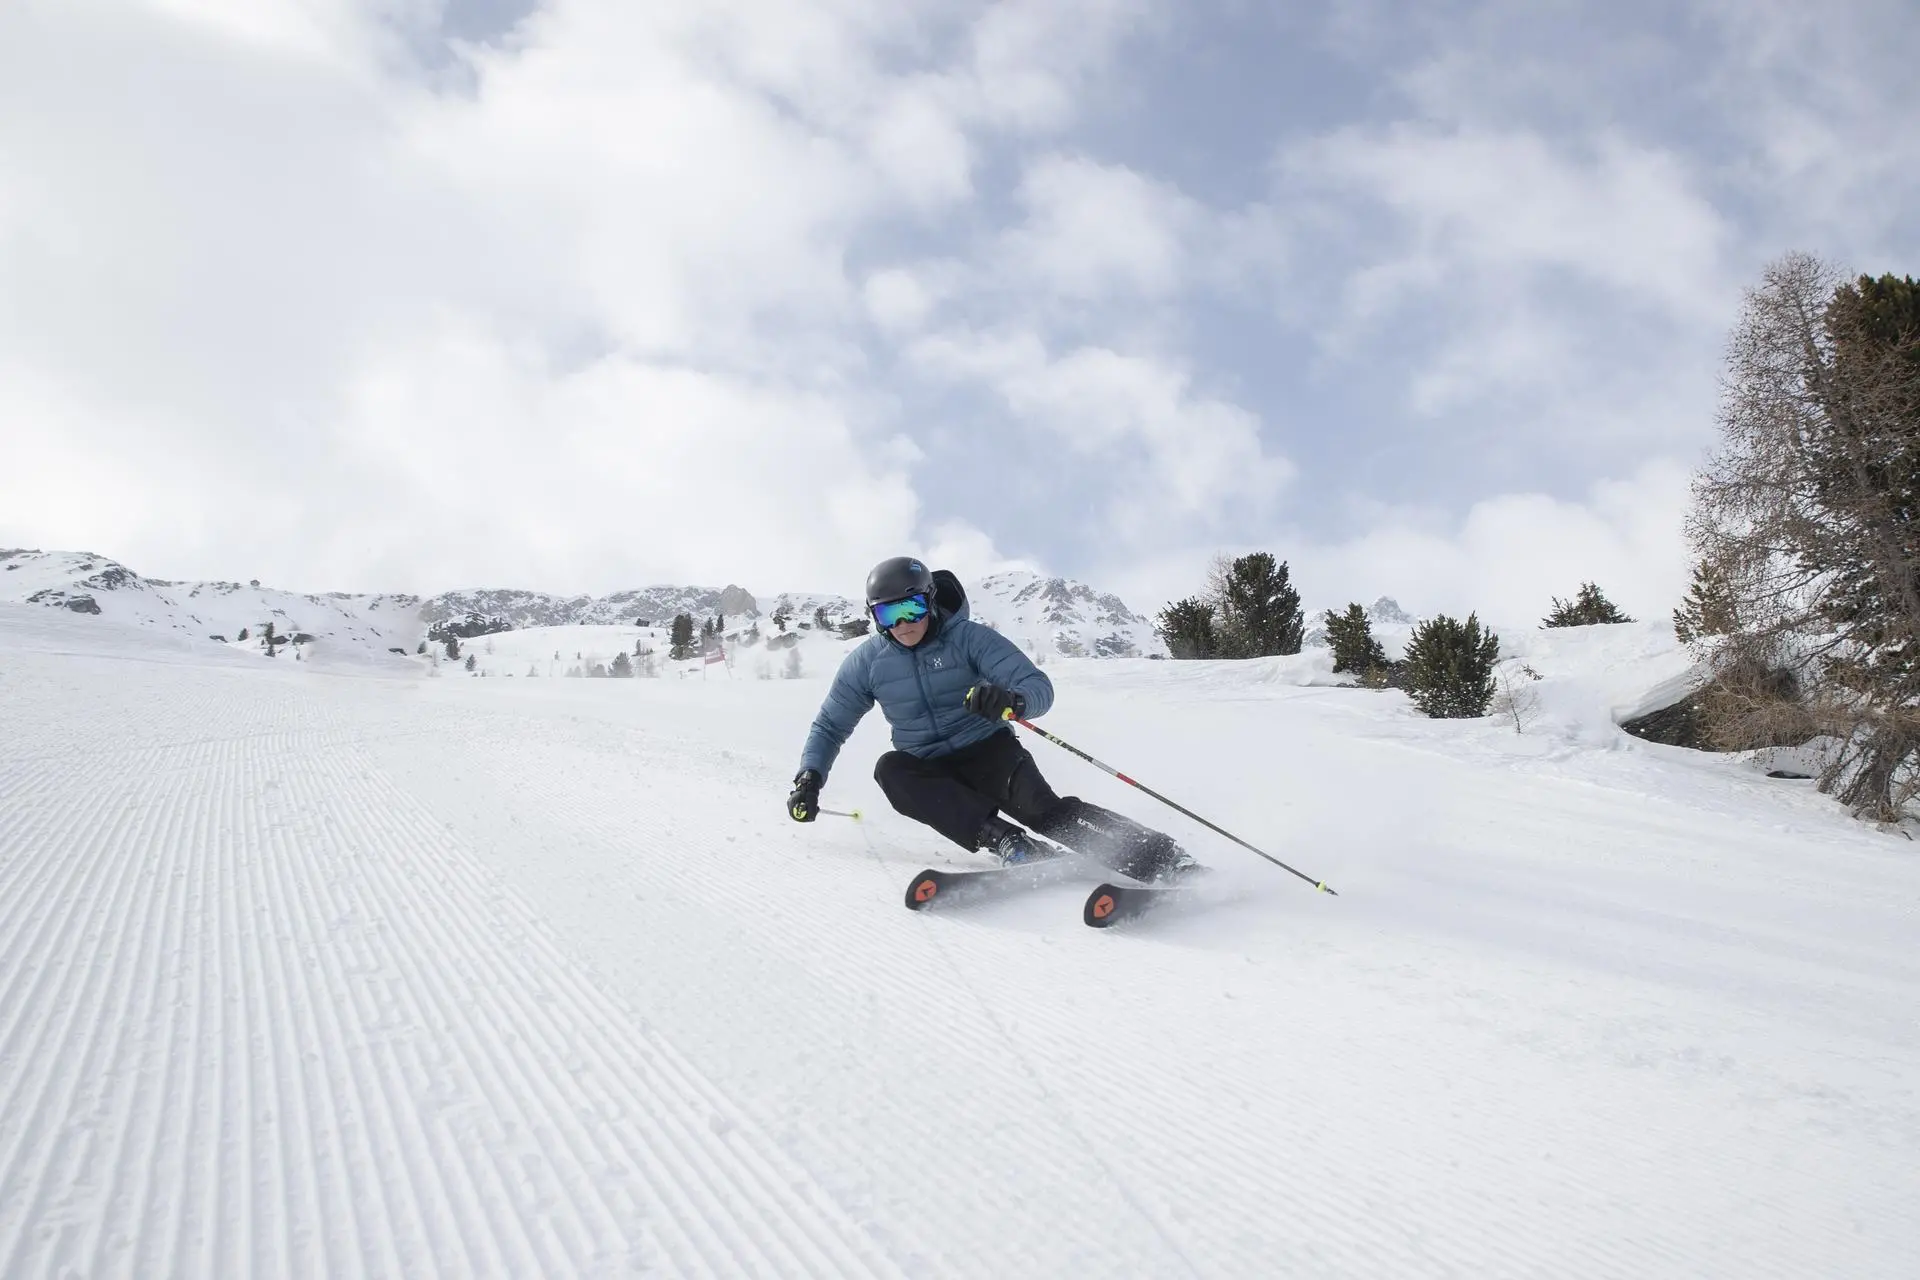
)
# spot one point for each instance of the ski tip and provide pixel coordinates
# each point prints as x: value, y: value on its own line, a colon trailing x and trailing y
x: 923, y: 890
x: 1102, y: 906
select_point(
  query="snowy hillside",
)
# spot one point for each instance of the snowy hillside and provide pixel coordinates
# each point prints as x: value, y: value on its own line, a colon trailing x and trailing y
x: 363, y: 973
x: 1046, y: 616
x: 351, y: 627
x: 751, y: 651
x: 537, y: 609
x: 1061, y: 616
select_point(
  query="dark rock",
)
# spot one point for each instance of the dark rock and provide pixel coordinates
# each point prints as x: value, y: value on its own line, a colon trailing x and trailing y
x: 55, y: 598
x: 1679, y: 725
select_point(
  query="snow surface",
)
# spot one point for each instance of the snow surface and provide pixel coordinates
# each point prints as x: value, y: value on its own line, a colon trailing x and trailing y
x: 345, y: 971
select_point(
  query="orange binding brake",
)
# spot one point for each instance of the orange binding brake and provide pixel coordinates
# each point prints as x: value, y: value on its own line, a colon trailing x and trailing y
x: 925, y: 889
x: 1103, y: 906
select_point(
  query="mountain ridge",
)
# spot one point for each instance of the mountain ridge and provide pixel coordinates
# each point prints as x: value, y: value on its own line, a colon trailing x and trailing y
x: 1046, y: 615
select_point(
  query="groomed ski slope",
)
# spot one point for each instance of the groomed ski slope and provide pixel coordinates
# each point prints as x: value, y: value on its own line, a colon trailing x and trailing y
x: 334, y: 973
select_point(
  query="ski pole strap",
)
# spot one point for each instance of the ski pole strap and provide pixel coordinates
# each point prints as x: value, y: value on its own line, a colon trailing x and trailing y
x: 1062, y: 743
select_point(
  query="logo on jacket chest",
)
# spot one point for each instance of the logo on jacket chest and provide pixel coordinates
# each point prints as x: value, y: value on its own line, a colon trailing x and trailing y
x: 938, y: 662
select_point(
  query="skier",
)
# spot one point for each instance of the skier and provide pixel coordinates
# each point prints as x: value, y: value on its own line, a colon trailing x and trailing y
x: 948, y: 687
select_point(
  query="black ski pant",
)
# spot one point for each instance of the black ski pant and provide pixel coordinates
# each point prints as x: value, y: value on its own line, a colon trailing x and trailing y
x: 956, y: 794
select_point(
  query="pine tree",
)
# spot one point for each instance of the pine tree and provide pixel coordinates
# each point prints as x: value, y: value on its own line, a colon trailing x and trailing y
x: 623, y: 666
x: 1259, y: 610
x: 1449, y: 668
x: 680, y: 639
x: 1708, y: 608
x: 243, y: 633
x: 1350, y: 635
x: 1590, y: 608
x: 453, y: 648
x: 820, y: 618
x: 1867, y: 475
x: 471, y: 660
x: 1187, y: 627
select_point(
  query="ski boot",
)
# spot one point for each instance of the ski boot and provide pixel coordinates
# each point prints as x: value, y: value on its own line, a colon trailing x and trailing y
x: 1008, y: 844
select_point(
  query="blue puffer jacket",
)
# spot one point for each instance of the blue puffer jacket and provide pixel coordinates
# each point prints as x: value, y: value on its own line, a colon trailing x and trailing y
x: 921, y: 690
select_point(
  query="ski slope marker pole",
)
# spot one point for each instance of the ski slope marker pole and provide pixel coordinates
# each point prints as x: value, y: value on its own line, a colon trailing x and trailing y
x: 1321, y: 885
x: 841, y: 813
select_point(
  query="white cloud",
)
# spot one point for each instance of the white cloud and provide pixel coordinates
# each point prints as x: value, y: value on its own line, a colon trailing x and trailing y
x: 1618, y: 214
x: 1091, y: 230
x: 1505, y: 558
x: 1034, y: 62
x: 899, y: 298
x: 663, y: 470
x: 971, y: 553
x: 1511, y: 554
x: 1170, y: 455
x: 582, y: 319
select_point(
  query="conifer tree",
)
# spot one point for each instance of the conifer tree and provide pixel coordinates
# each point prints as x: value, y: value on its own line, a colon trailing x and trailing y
x: 1350, y: 635
x: 1449, y: 668
x: 1708, y: 607
x: 1187, y: 627
x: 680, y: 639
x: 453, y: 648
x: 623, y: 666
x: 1259, y: 612
x: 1590, y: 608
x: 471, y: 660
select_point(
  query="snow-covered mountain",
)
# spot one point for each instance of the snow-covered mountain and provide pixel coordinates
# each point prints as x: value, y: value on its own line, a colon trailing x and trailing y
x: 1392, y: 625
x: 1062, y: 616
x: 517, y: 610
x: 86, y: 583
x: 1046, y: 616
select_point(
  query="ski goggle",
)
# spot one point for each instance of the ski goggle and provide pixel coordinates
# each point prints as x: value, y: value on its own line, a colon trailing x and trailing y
x: 891, y: 613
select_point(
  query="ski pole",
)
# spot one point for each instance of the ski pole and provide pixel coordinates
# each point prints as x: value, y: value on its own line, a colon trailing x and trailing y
x: 841, y: 813
x: 1321, y: 885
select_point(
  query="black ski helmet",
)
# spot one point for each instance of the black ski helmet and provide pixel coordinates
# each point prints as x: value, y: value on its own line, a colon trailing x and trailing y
x: 898, y: 578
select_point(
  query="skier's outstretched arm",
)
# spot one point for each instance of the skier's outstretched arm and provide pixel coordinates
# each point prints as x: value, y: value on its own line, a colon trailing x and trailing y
x: 848, y: 700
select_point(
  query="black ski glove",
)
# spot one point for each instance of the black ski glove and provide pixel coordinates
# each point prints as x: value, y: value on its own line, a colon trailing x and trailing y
x: 803, y: 804
x: 995, y: 703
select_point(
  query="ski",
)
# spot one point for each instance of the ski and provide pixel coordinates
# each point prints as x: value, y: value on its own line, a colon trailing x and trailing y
x: 1110, y: 904
x: 944, y: 888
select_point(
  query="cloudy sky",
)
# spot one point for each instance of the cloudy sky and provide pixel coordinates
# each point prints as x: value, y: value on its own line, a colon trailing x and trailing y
x: 1429, y: 300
